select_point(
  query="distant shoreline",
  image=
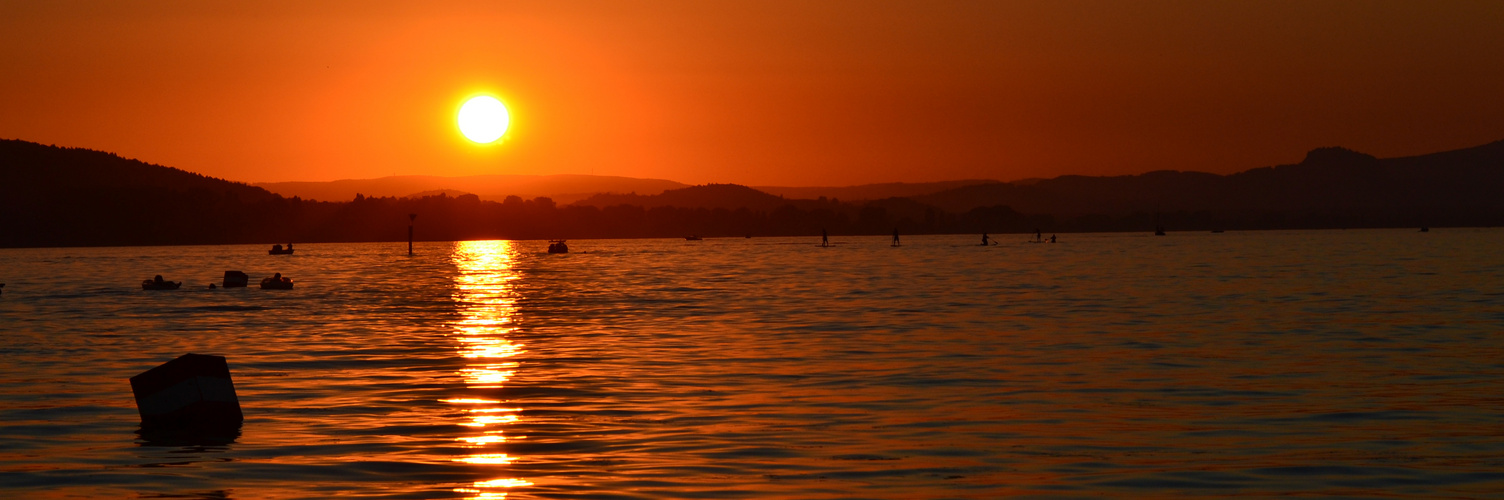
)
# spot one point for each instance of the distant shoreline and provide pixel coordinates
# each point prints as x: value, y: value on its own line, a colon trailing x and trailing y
x: 69, y: 197
x: 814, y: 239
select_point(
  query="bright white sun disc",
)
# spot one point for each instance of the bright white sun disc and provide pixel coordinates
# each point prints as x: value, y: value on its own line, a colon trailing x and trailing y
x: 484, y: 119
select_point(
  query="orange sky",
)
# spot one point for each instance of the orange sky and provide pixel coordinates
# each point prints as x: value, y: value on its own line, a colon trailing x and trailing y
x: 786, y: 93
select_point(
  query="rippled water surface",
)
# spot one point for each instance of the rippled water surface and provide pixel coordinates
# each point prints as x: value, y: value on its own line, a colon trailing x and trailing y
x: 1343, y: 363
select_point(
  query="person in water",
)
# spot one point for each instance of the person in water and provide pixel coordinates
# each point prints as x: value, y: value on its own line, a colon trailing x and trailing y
x: 1052, y: 238
x: 895, y: 236
x: 824, y: 238
x: 984, y: 240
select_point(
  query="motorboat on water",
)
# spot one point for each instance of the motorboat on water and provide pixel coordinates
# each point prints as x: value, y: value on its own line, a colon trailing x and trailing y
x: 276, y: 282
x: 557, y: 246
x: 278, y: 250
x: 158, y: 283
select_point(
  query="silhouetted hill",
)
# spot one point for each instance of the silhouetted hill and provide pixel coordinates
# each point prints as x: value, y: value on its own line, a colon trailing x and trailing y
x: 560, y: 188
x: 66, y: 196
x: 1331, y: 187
x: 869, y: 191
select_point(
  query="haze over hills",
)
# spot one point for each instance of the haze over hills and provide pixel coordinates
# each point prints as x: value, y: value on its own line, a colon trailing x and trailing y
x: 870, y: 191
x: 563, y: 188
x: 51, y: 196
x: 566, y: 189
x: 712, y: 196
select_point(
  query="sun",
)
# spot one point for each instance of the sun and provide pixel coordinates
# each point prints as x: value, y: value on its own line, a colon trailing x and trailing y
x: 484, y: 119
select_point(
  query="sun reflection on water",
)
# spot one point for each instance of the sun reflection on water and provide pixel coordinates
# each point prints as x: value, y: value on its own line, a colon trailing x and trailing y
x: 488, y: 306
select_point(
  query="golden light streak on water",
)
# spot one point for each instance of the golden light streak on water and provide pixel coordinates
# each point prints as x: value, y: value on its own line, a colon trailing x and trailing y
x: 488, y: 304
x: 481, y: 495
x: 483, y: 440
x: 487, y: 458
x: 478, y: 492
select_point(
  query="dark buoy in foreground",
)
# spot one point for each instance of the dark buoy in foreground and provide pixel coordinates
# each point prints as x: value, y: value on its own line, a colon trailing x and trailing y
x: 191, y: 392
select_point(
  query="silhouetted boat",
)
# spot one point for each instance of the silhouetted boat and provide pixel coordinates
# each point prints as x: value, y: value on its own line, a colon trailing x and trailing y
x: 693, y: 237
x: 278, y: 250
x: 160, y: 285
x: 276, y: 283
x: 1159, y: 230
x: 1425, y: 229
x: 557, y: 246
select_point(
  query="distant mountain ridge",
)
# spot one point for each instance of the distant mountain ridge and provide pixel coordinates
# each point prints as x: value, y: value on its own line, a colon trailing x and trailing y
x: 563, y: 188
x: 724, y: 196
x: 1463, y: 184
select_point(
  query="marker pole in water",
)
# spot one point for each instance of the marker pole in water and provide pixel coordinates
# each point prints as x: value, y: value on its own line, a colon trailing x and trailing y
x: 410, y: 219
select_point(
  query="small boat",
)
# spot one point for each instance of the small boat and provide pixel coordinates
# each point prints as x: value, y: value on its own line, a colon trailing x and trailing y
x: 1159, y: 230
x: 693, y: 237
x: 557, y: 246
x: 158, y: 284
x: 276, y: 283
x: 1425, y: 229
x: 278, y: 250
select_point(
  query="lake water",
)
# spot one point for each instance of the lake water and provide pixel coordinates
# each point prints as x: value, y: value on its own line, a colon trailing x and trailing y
x: 1326, y: 363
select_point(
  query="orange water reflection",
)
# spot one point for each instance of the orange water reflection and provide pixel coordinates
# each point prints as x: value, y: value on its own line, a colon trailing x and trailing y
x: 488, y: 307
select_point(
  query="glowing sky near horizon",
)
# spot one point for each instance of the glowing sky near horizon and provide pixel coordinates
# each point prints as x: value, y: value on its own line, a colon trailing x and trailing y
x: 759, y: 93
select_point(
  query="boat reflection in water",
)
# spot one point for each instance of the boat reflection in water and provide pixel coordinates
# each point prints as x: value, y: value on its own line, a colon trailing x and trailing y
x: 487, y: 299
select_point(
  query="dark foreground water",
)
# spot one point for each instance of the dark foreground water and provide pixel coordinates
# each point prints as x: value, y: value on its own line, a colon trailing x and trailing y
x: 1341, y: 363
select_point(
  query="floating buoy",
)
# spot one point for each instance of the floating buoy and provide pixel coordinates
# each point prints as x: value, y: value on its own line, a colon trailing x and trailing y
x: 234, y: 279
x: 191, y: 392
